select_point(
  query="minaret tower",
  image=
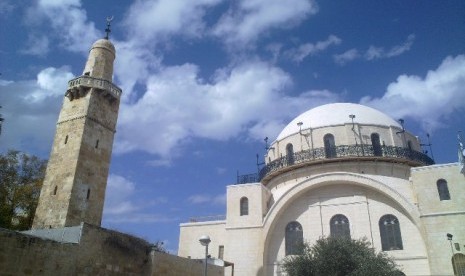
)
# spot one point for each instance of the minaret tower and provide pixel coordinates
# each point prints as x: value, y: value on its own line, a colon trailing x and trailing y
x: 77, y: 171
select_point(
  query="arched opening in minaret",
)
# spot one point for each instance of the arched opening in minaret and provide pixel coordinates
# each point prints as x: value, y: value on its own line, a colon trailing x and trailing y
x: 66, y: 139
x: 55, y: 190
x: 88, y: 194
x: 96, y: 144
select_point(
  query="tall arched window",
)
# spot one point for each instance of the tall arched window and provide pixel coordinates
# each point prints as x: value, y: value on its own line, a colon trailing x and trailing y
x: 290, y: 154
x: 458, y: 264
x: 389, y: 228
x: 294, y: 238
x: 443, y: 190
x: 409, y: 145
x: 376, y: 143
x: 244, y: 206
x: 339, y: 227
x: 330, y: 146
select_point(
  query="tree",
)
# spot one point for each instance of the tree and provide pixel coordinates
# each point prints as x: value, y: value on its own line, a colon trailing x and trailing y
x: 340, y: 257
x: 21, y: 178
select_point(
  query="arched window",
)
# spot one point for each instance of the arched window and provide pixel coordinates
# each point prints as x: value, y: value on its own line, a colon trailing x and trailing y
x: 330, y: 146
x: 409, y: 145
x: 66, y: 139
x: 375, y: 142
x: 244, y: 206
x: 339, y: 227
x: 458, y: 264
x: 389, y: 229
x: 443, y: 190
x: 55, y: 190
x: 294, y: 238
x: 290, y: 154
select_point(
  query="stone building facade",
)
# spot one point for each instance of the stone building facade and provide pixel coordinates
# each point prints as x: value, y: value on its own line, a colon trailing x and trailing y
x: 342, y: 170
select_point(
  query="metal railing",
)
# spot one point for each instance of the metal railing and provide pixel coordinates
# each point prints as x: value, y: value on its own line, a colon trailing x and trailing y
x: 88, y: 81
x: 338, y: 152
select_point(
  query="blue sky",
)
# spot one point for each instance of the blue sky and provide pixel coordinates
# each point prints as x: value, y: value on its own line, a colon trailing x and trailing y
x: 205, y: 81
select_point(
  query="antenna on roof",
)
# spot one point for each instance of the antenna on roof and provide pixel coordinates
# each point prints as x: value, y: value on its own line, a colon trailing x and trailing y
x: 401, y: 121
x: 461, y: 152
x: 1, y: 121
x: 108, y: 30
x: 429, y: 145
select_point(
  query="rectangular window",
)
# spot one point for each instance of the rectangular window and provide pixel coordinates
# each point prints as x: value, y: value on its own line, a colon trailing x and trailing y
x: 220, y: 252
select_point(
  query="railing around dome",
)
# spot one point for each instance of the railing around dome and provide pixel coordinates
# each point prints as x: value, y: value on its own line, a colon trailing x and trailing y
x: 338, y: 152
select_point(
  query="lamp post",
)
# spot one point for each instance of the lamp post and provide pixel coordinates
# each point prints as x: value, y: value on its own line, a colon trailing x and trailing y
x: 449, y: 238
x: 205, y: 240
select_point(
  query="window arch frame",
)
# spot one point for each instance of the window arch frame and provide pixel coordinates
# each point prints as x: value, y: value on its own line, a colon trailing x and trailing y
x: 376, y: 144
x: 293, y: 238
x: 339, y: 226
x: 244, y: 206
x: 443, y: 189
x: 329, y: 145
x: 290, y: 154
x: 390, y: 233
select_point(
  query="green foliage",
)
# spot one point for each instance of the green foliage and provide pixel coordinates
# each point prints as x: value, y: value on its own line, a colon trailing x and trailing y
x: 21, y: 178
x: 340, y: 257
x: 159, y: 246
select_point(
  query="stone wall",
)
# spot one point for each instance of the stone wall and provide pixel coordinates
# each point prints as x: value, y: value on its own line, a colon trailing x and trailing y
x: 170, y: 265
x: 98, y: 251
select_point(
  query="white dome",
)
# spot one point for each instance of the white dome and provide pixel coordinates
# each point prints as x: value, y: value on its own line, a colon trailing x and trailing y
x: 337, y: 114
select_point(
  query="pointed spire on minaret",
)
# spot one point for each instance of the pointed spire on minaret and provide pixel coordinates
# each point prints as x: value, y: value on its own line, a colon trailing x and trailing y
x: 108, y: 30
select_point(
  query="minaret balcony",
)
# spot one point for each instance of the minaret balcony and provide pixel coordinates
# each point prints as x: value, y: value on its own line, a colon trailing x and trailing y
x: 339, y: 153
x: 75, y: 87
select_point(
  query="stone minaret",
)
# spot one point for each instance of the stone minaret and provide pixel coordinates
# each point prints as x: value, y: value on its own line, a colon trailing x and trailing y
x: 77, y: 171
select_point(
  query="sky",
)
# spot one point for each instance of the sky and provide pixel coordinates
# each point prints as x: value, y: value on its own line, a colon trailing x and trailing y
x: 205, y: 81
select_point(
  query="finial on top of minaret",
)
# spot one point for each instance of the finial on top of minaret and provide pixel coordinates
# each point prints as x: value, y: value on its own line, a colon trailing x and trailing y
x: 108, y: 30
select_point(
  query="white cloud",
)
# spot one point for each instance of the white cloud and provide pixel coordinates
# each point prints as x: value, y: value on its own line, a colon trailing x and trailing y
x: 378, y: 52
x: 199, y: 199
x: 427, y: 100
x: 122, y: 203
x: 246, y: 20
x: 180, y: 105
x: 68, y: 21
x: 347, y: 56
x: 203, y: 198
x: 154, y: 20
x: 36, y: 46
x: 6, y: 7
x: 31, y: 109
x: 374, y: 52
x: 159, y: 163
x: 300, y: 53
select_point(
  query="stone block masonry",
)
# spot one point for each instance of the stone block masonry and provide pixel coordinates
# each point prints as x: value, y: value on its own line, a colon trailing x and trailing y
x: 95, y: 251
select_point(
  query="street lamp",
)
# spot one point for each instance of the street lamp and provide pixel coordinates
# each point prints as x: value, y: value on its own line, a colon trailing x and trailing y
x: 449, y: 238
x: 205, y: 240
